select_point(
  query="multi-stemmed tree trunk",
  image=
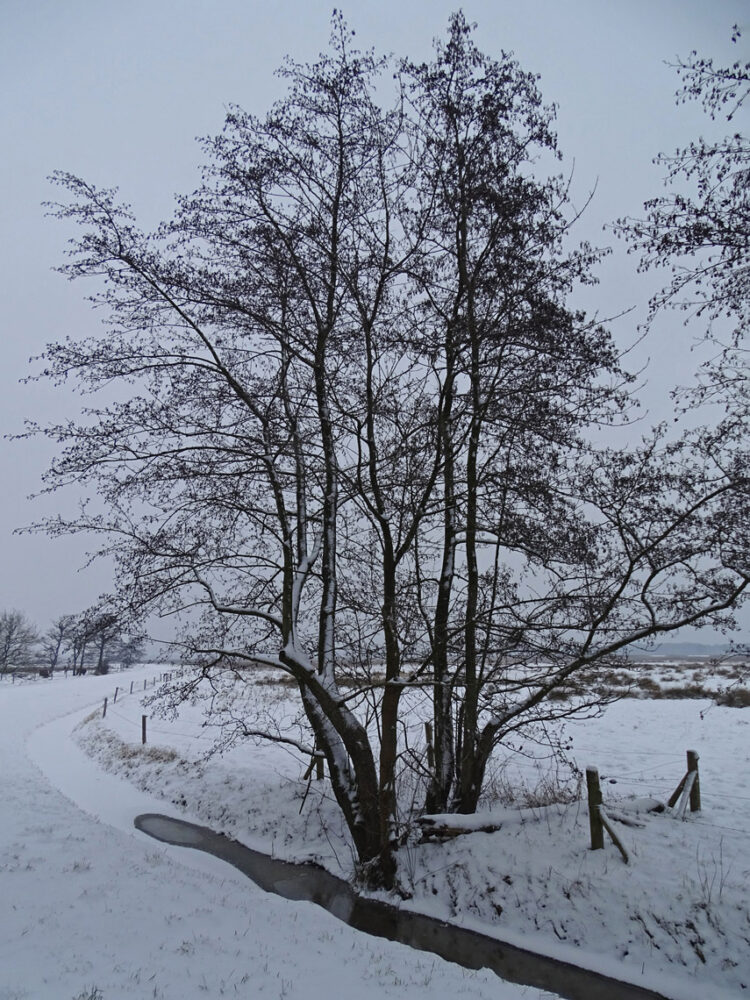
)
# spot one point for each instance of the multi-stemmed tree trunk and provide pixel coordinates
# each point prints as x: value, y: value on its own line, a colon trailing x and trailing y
x: 522, y: 374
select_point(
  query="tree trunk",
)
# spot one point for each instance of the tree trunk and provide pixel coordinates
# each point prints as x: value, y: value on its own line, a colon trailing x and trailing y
x: 440, y: 786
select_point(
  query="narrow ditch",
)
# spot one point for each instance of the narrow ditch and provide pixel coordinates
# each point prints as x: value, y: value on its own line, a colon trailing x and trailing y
x: 469, y: 949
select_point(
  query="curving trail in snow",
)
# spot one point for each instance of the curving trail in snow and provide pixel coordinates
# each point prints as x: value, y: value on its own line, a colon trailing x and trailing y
x: 87, y: 902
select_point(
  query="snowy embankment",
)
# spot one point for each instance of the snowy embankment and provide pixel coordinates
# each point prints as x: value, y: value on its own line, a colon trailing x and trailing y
x: 675, y: 919
x: 92, y: 909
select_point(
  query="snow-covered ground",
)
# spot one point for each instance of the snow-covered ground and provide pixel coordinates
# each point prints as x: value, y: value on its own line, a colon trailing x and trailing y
x: 92, y: 910
x: 676, y: 918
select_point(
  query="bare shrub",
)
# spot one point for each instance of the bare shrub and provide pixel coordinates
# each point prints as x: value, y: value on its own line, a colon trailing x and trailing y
x: 734, y: 697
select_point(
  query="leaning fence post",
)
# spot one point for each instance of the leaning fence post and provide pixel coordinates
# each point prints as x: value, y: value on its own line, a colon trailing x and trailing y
x: 143, y: 729
x: 595, y: 800
x: 104, y: 712
x: 115, y: 697
x: 671, y: 802
x: 144, y: 683
x: 131, y: 687
x: 695, y: 791
x: 613, y: 833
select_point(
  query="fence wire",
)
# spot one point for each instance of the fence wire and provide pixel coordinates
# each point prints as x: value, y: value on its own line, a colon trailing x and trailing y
x: 640, y: 776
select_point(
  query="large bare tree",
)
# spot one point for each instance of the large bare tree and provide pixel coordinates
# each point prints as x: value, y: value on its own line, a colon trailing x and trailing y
x: 353, y: 442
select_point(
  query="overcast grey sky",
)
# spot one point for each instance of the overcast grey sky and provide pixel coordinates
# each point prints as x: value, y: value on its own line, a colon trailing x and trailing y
x: 117, y: 93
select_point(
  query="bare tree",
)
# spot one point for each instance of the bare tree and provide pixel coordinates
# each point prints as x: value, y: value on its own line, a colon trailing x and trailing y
x: 55, y: 640
x: 17, y: 637
x: 105, y: 631
x: 354, y: 441
x: 81, y: 635
x: 100, y: 629
x: 128, y: 650
x: 542, y: 554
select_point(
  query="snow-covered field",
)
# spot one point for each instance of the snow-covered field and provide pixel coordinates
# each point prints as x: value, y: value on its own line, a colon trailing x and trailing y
x: 92, y: 910
x: 96, y: 902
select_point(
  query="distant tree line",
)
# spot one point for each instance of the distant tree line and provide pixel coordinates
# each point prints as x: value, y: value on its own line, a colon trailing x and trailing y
x: 86, y: 642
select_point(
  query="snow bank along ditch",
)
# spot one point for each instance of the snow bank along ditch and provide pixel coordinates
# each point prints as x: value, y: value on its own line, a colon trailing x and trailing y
x: 90, y: 906
x: 455, y: 944
x: 675, y: 921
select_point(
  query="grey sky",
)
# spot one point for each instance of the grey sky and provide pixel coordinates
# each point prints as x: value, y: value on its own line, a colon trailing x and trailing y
x: 118, y: 92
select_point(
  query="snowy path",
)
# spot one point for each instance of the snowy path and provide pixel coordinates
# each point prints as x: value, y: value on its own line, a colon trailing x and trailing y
x: 87, y: 902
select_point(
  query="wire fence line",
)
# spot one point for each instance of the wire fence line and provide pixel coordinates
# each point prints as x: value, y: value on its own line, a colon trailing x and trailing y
x: 154, y: 729
x: 638, y: 777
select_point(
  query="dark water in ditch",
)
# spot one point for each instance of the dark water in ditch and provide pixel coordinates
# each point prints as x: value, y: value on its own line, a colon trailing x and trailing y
x: 455, y: 944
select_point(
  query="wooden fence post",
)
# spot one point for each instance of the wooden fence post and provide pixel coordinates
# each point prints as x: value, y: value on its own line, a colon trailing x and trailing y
x: 131, y: 687
x: 143, y: 729
x: 595, y: 800
x: 105, y: 708
x: 114, y: 700
x: 319, y: 768
x: 695, y: 791
x: 430, y: 747
x: 144, y: 683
